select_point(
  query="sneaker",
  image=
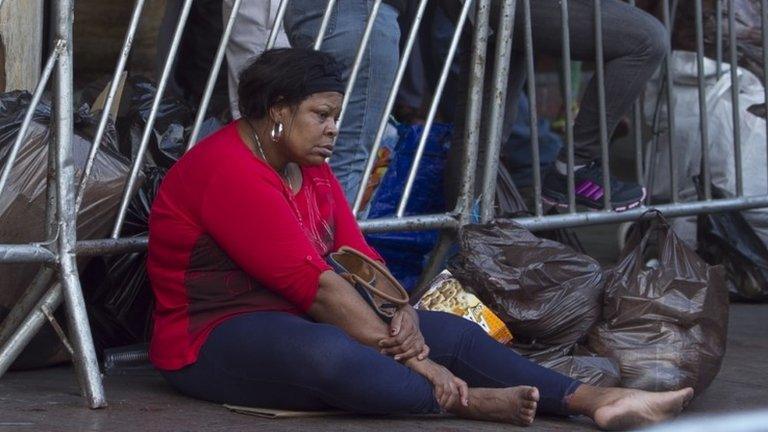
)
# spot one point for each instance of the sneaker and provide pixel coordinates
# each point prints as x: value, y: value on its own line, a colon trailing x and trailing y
x: 589, y: 189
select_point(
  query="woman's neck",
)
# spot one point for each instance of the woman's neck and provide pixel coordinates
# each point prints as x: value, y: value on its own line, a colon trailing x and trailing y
x: 256, y: 135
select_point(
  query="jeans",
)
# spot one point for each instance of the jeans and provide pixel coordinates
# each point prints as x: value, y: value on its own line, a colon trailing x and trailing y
x: 374, y: 81
x: 283, y: 361
x: 634, y: 44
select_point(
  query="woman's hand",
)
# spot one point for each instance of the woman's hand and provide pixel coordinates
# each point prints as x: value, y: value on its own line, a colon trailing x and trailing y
x: 448, y: 389
x: 406, y: 340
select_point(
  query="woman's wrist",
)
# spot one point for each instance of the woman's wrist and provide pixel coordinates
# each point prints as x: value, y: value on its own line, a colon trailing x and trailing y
x: 423, y: 367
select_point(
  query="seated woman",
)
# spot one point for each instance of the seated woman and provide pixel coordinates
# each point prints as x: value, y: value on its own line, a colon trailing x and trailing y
x: 249, y: 313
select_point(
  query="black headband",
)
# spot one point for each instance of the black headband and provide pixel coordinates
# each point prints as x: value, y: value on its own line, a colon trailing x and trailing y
x: 324, y: 77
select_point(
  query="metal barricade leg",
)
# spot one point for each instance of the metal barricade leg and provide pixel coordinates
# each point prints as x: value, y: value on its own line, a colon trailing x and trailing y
x: 80, y: 332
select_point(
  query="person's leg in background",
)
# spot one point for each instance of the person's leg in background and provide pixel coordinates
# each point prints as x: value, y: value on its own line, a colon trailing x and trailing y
x: 634, y: 44
x: 374, y: 81
x: 248, y: 39
x: 515, y: 82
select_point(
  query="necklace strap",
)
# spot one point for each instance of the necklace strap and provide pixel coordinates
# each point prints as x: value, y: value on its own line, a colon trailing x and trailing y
x: 284, y: 175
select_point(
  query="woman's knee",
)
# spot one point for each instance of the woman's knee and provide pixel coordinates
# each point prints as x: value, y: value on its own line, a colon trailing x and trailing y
x: 441, y: 325
x: 330, y: 356
x: 653, y: 39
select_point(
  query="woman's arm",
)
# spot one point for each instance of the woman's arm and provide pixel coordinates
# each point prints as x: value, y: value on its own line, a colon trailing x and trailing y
x: 337, y: 303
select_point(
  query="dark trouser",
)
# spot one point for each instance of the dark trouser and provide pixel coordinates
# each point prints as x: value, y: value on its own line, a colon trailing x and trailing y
x: 283, y: 361
x: 634, y: 44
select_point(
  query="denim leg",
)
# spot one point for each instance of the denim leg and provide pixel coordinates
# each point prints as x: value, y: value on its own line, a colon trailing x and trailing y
x: 283, y: 361
x: 375, y: 78
x: 467, y: 351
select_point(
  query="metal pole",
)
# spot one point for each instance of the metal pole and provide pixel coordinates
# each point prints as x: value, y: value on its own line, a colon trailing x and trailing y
x: 358, y: 61
x: 26, y: 253
x: 411, y: 223
x: 31, y: 323
x: 534, y: 118
x: 498, y: 105
x: 719, y: 37
x: 113, y: 86
x: 669, y: 210
x: 278, y: 22
x: 637, y: 133
x: 670, y: 107
x: 568, y: 100
x: 764, y: 23
x: 26, y: 304
x: 14, y: 151
x: 324, y: 24
x: 600, y: 73
x: 148, y: 129
x: 390, y: 103
x: 703, y: 122
x: 111, y: 246
x: 474, y: 110
x: 85, y: 354
x: 433, y: 107
x: 214, y: 74
x: 732, y: 49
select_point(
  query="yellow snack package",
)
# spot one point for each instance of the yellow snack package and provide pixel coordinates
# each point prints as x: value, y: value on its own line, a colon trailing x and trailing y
x: 445, y: 294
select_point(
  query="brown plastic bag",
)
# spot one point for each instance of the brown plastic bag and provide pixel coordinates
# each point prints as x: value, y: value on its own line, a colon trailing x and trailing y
x: 576, y: 362
x: 545, y: 292
x: 22, y: 202
x: 665, y: 312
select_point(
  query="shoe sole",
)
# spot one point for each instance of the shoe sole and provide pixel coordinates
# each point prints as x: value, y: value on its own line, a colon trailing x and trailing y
x: 618, y: 208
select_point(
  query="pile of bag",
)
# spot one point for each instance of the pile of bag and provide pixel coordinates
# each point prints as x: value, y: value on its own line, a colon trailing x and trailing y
x: 660, y: 315
x: 22, y: 203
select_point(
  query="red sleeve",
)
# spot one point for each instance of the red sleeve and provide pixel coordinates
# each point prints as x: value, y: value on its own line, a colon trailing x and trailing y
x: 347, y: 231
x: 248, y: 215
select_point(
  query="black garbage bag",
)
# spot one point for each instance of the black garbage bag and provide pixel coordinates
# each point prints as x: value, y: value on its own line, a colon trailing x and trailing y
x: 576, y: 362
x: 170, y: 131
x: 544, y: 291
x: 727, y: 238
x: 119, y: 296
x: 22, y: 203
x: 665, y: 313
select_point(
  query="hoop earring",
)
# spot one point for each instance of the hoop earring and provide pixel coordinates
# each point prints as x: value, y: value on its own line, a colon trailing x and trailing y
x: 277, y: 132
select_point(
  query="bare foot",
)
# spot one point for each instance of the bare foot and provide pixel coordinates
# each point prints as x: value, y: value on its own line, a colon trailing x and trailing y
x: 621, y: 409
x: 516, y: 405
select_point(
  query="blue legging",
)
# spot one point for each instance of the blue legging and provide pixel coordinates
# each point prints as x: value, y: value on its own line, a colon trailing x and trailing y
x: 283, y: 361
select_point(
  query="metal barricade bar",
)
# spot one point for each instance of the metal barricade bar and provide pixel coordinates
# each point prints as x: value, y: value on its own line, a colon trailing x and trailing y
x: 358, y: 60
x: 732, y: 49
x: 324, y: 24
x: 413, y: 33
x: 45, y: 76
x: 568, y: 102
x: 122, y: 60
x: 703, y: 122
x: 670, y: 83
x: 498, y: 106
x: 138, y: 162
x: 281, y: 7
x: 719, y: 37
x: 600, y: 75
x: 534, y: 117
x: 214, y: 73
x: 433, y: 107
x: 764, y: 24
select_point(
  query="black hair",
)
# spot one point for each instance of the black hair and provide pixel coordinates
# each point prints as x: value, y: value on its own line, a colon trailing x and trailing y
x: 285, y: 76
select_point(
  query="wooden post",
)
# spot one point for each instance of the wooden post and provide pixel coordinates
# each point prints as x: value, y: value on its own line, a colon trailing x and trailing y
x: 21, y: 28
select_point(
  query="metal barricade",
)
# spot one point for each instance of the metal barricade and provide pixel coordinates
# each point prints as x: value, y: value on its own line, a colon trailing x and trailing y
x: 58, y: 281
